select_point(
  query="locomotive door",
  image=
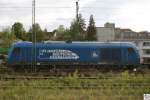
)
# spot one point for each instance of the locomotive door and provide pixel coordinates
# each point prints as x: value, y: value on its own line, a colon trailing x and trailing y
x: 111, y: 55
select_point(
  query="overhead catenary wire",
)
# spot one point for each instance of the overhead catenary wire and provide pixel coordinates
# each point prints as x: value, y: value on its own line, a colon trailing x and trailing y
x: 67, y: 7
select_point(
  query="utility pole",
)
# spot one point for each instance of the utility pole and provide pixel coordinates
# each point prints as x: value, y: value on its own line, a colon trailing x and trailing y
x: 77, y: 11
x: 33, y: 38
x: 77, y: 17
x: 33, y: 22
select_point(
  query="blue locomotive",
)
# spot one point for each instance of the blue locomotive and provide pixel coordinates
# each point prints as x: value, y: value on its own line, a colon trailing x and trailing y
x: 73, y: 53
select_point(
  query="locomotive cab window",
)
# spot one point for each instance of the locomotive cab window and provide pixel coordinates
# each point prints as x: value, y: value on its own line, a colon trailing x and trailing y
x: 130, y: 50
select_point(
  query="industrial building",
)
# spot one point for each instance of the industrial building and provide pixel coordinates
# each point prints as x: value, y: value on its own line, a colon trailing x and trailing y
x: 106, y: 33
x: 144, y: 49
x: 110, y: 33
x: 142, y: 39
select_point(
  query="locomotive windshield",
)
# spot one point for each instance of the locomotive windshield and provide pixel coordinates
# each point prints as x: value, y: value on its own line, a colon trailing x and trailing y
x: 16, y: 50
x: 130, y: 50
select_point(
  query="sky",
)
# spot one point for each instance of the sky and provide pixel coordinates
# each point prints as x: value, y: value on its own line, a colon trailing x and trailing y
x: 133, y: 14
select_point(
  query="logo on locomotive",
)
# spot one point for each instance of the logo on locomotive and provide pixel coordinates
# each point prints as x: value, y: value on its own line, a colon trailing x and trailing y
x: 95, y: 54
x: 57, y: 54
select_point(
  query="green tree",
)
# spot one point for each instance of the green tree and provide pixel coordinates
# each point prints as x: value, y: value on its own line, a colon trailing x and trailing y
x: 67, y: 35
x: 82, y: 28
x: 8, y: 37
x: 91, y: 30
x: 60, y: 31
x: 74, y: 30
x: 18, y: 30
x: 36, y: 33
x: 77, y: 29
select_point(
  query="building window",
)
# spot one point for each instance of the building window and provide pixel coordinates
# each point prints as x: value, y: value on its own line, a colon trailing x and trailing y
x: 146, y: 44
x: 146, y: 60
x: 147, y: 51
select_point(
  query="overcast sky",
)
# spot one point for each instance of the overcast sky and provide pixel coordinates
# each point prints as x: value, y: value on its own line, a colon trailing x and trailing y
x: 50, y: 14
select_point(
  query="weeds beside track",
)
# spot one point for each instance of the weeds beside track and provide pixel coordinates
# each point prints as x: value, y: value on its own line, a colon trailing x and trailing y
x: 121, y: 86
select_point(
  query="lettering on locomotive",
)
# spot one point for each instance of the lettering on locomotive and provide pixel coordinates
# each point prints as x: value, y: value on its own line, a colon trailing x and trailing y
x: 57, y: 54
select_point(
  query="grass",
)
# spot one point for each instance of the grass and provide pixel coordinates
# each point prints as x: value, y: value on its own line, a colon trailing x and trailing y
x: 65, y: 94
x: 118, y: 87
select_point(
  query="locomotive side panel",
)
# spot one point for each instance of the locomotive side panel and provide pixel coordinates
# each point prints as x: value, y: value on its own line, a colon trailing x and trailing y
x: 79, y: 54
x: 110, y: 55
x: 67, y: 55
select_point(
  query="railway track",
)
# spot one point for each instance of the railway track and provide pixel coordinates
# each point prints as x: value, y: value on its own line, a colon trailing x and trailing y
x: 83, y: 86
x: 9, y: 77
x: 6, y: 74
x: 3, y: 77
x: 102, y: 82
x: 72, y: 87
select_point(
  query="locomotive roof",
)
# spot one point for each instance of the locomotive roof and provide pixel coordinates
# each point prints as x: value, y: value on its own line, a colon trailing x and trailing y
x: 79, y: 44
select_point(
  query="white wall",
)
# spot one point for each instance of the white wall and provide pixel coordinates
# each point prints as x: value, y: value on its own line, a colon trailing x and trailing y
x: 142, y: 49
x: 105, y: 34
